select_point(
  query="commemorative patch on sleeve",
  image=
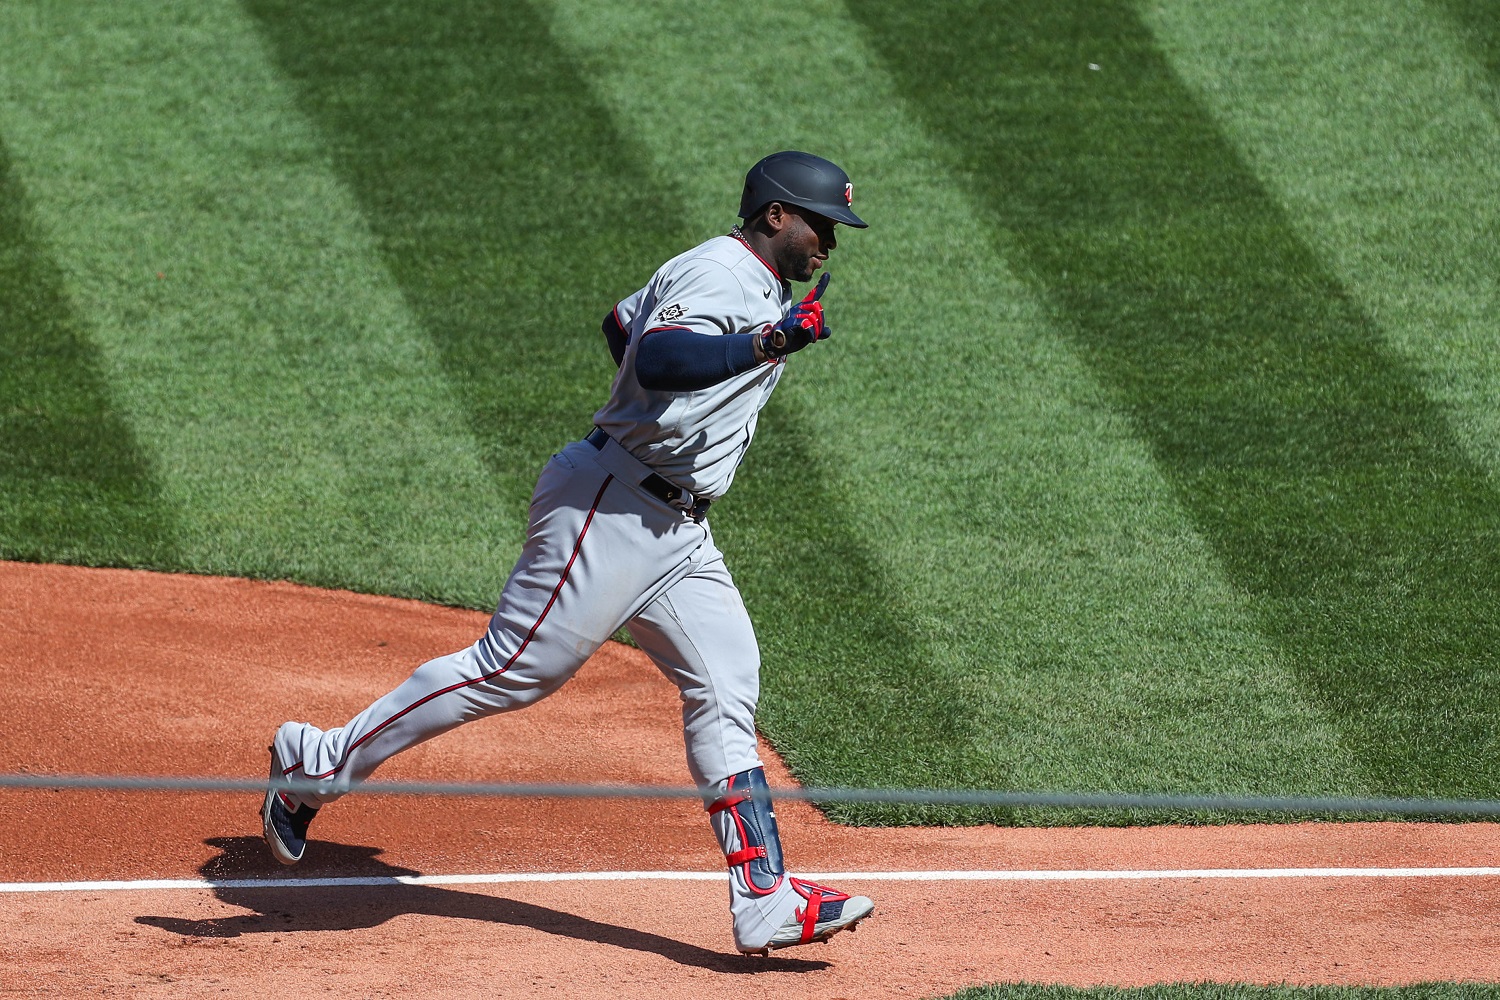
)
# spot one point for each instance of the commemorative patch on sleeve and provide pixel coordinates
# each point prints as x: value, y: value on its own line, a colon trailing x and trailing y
x: 672, y: 312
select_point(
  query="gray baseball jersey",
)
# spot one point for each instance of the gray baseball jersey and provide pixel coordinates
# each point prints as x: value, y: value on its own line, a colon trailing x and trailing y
x: 697, y: 439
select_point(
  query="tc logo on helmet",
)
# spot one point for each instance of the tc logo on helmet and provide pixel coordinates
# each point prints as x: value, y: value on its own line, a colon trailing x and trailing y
x: 849, y: 194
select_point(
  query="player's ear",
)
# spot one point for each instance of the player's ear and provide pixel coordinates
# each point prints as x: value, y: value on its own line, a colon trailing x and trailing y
x: 776, y: 217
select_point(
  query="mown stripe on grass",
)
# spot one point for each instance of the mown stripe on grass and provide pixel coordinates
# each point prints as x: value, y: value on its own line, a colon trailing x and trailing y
x: 1330, y: 486
x: 74, y: 485
x: 1044, y: 587
x: 1388, y: 159
x: 507, y: 207
x: 299, y: 424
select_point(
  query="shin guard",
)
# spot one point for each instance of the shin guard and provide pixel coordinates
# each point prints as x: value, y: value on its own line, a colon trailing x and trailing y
x: 745, y: 823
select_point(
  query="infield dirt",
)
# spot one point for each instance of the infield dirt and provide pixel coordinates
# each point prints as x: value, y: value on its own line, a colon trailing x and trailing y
x: 122, y: 672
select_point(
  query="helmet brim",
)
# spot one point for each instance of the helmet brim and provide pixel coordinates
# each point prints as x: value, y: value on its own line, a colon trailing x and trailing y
x: 841, y: 214
x: 838, y: 213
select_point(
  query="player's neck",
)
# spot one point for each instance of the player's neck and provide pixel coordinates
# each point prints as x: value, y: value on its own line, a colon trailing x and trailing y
x: 758, y: 243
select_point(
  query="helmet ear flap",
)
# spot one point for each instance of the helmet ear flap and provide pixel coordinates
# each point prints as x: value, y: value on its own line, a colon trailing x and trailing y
x: 748, y: 208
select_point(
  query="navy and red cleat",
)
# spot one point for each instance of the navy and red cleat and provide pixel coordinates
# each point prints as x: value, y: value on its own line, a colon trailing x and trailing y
x: 824, y: 913
x: 285, y: 827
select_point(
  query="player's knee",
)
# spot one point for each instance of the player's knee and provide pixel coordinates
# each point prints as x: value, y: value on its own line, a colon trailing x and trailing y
x: 720, y: 701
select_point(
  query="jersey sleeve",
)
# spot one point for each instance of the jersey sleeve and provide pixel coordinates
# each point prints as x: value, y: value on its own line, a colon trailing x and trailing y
x: 628, y: 308
x: 704, y: 297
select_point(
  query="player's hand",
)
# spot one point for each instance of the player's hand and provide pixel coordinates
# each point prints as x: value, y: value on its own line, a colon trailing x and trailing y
x: 802, y: 326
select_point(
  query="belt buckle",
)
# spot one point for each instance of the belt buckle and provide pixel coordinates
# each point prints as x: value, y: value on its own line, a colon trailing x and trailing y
x: 675, y: 496
x: 693, y: 506
x: 685, y: 502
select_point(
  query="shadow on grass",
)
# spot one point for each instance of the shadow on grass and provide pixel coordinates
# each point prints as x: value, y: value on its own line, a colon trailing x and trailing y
x: 1479, y: 22
x: 296, y: 909
x: 75, y: 486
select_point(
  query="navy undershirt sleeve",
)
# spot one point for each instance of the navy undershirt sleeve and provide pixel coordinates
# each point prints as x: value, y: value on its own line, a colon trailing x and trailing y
x: 676, y: 359
x: 615, y: 336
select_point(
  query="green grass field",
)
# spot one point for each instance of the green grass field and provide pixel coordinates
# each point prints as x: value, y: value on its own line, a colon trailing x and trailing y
x: 1155, y: 450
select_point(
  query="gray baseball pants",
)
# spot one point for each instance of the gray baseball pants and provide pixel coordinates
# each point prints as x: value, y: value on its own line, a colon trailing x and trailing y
x: 600, y: 553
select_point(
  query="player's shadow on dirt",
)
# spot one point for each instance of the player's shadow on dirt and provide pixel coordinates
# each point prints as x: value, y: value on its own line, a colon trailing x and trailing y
x: 292, y: 909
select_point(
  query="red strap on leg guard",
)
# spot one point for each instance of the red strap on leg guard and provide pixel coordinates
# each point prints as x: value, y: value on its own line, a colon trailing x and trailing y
x: 748, y: 854
x: 746, y: 828
x: 727, y: 802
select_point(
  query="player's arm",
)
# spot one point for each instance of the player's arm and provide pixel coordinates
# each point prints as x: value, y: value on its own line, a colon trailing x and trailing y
x: 691, y: 338
x: 618, y: 323
x: 615, y: 335
x: 676, y: 359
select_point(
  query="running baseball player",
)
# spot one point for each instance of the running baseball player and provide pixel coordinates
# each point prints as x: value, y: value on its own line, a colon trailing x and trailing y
x: 618, y: 535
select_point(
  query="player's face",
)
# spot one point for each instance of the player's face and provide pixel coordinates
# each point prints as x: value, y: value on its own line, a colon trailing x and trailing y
x: 807, y: 240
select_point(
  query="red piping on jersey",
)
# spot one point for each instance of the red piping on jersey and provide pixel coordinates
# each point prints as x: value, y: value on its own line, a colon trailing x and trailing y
x: 658, y: 329
x: 577, y: 546
x: 746, y: 244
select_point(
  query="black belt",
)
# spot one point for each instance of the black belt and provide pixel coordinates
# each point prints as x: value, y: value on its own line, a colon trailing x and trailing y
x: 656, y: 485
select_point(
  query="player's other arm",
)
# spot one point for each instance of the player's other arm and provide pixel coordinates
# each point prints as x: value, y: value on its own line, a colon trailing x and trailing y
x: 618, y: 322
x: 615, y: 335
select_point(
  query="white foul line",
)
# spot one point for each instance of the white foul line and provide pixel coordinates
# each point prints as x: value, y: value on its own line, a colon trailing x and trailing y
x: 916, y: 876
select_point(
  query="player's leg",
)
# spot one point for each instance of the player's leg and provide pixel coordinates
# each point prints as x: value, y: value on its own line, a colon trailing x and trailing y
x: 699, y: 634
x: 586, y: 564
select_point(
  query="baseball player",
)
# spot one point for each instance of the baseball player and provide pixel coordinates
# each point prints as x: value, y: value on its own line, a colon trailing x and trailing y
x: 618, y: 535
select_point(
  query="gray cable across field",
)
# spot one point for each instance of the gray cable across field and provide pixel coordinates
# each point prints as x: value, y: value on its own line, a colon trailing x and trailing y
x: 1299, y: 805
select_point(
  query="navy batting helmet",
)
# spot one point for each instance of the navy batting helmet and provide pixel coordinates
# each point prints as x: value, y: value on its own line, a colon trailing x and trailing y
x: 804, y: 180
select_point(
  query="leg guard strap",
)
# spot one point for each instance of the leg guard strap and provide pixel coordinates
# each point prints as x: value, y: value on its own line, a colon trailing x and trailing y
x: 748, y: 854
x: 728, y: 801
x: 810, y: 913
